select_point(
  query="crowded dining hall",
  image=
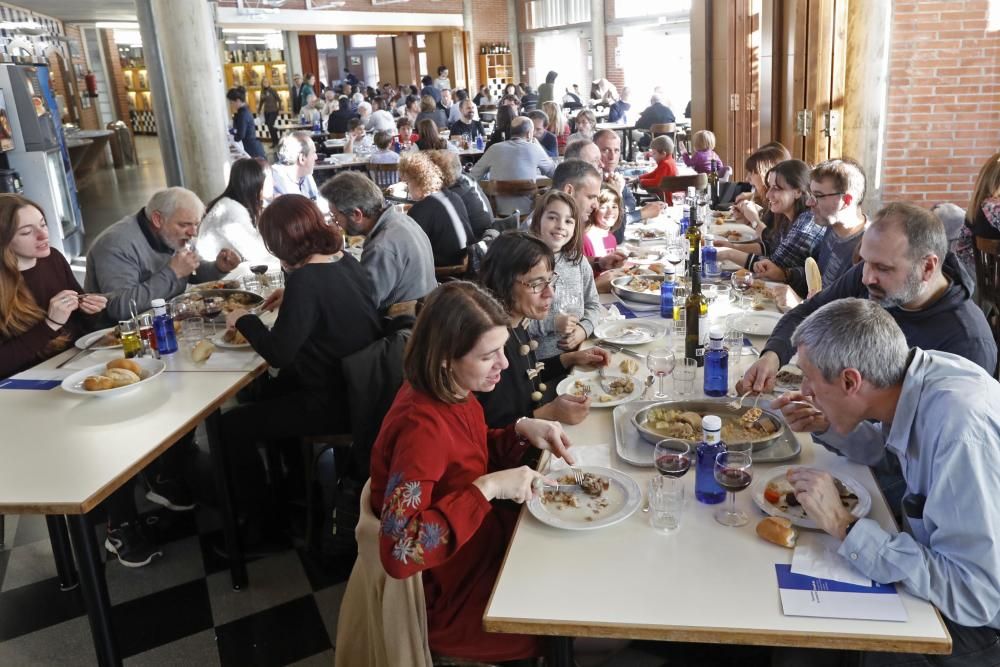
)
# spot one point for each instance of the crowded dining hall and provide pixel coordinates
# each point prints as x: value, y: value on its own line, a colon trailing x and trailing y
x: 499, y: 333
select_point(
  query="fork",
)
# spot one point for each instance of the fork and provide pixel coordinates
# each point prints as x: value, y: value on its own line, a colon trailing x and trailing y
x: 737, y: 404
x: 577, y: 476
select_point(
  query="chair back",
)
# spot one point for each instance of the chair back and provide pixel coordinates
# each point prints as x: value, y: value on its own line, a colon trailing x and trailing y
x: 987, y: 256
x: 514, y: 188
x: 338, y: 135
x: 670, y: 129
x: 669, y: 184
x: 384, y: 175
x: 507, y: 222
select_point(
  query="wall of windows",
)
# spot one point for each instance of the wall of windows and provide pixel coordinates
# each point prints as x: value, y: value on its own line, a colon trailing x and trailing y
x: 555, y: 13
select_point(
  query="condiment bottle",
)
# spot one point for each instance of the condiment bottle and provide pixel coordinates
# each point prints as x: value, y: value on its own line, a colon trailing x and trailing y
x: 163, y: 327
x: 706, y: 489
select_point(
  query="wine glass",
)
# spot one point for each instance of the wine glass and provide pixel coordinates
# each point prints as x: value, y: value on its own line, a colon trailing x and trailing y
x: 212, y: 309
x: 675, y: 254
x: 660, y: 363
x: 733, y: 472
x: 742, y: 281
x: 570, y: 309
x: 672, y: 457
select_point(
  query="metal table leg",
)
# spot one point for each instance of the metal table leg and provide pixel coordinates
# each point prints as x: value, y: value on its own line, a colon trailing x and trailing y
x: 560, y: 651
x: 62, y: 552
x: 220, y: 470
x: 95, y: 590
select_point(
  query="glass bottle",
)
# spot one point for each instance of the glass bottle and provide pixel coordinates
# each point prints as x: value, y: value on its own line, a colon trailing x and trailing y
x: 163, y: 327
x: 131, y: 343
x: 706, y: 489
x: 696, y: 318
x: 693, y: 235
x: 667, y: 293
x: 716, y: 364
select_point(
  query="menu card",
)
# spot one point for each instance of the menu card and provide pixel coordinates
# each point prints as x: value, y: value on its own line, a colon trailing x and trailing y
x: 803, y: 595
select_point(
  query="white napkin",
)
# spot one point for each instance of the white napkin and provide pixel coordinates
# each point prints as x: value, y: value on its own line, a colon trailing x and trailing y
x: 816, y: 555
x: 614, y: 313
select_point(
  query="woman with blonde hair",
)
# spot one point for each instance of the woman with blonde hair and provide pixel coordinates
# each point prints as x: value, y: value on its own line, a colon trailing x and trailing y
x: 557, y: 125
x: 439, y: 212
x: 42, y: 306
x: 704, y: 160
x: 429, y: 109
x: 467, y: 189
x: 982, y: 218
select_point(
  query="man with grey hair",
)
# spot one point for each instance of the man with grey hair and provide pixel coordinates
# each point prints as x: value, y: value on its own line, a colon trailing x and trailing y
x: 149, y: 255
x: 397, y: 253
x: 293, y: 172
x: 518, y: 158
x: 939, y: 416
x: 907, y: 269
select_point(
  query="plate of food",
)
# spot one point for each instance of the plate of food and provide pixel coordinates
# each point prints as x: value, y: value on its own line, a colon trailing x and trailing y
x: 104, y: 339
x: 773, y: 494
x: 682, y: 419
x: 789, y: 378
x: 604, y: 392
x: 117, y: 377
x: 644, y: 287
x: 629, y: 332
x: 755, y: 323
x: 731, y: 231
x: 231, y: 339
x: 216, y: 284
x: 606, y: 497
x: 643, y: 233
x: 197, y: 303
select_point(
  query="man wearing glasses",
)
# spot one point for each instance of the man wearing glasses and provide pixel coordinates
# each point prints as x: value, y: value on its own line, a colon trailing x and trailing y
x: 836, y: 191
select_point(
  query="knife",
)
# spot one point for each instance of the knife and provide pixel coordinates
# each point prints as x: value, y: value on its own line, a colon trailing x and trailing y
x: 618, y: 348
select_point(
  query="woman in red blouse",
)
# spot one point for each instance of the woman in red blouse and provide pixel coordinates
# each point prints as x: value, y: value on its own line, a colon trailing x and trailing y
x: 436, y: 468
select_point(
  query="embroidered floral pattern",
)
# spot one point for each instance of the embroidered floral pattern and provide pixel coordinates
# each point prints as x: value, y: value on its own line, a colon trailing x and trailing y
x: 411, y: 536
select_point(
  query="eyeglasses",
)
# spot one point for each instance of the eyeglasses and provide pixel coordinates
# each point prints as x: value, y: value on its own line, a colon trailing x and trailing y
x: 540, y: 284
x: 816, y: 197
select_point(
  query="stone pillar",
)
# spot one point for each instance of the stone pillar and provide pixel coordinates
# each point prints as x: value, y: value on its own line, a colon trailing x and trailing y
x: 185, y: 76
x: 868, y: 42
x: 514, y: 39
x: 470, y: 51
x: 597, y: 50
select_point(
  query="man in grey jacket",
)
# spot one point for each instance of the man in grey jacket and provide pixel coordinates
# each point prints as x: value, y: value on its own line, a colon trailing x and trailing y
x: 518, y: 158
x: 146, y: 256
x: 939, y: 414
x: 397, y: 252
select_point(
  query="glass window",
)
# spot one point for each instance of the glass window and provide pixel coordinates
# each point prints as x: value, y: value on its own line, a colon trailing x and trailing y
x: 673, y: 72
x: 555, y: 13
x: 422, y: 64
x: 324, y: 42
x: 363, y: 41
x: 632, y: 8
x: 421, y: 41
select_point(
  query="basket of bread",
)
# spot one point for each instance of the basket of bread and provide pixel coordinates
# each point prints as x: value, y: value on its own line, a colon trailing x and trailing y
x: 113, y: 378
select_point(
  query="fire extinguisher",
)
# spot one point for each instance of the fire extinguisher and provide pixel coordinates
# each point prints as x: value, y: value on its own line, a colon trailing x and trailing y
x: 91, y: 81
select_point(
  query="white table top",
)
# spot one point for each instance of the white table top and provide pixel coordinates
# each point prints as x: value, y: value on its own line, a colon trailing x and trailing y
x: 705, y: 582
x: 63, y: 454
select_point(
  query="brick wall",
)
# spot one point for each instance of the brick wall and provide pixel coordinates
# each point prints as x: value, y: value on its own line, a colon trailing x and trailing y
x: 120, y: 99
x: 489, y: 25
x: 88, y: 117
x: 943, y: 119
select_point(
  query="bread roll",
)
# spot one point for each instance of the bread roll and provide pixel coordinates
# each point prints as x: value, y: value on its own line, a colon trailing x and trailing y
x: 202, y: 351
x: 778, y: 530
x: 97, y: 383
x: 127, y: 364
x: 121, y: 377
x: 814, y: 279
x: 629, y: 366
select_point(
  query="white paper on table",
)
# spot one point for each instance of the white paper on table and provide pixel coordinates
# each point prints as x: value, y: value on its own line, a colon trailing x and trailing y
x: 589, y: 455
x: 44, y: 374
x: 816, y: 555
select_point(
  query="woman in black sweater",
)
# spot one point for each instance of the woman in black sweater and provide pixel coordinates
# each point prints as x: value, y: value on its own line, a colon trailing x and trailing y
x: 327, y: 313
x: 440, y: 213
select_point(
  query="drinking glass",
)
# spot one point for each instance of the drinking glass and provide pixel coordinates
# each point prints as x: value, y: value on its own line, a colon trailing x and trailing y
x: 672, y: 457
x: 252, y: 284
x: 213, y: 308
x: 660, y: 363
x: 570, y: 310
x: 677, y: 198
x: 675, y: 253
x: 723, y: 294
x: 742, y: 281
x: 666, y: 503
x: 733, y: 472
x: 710, y: 292
x: 684, y: 377
x: 734, y: 345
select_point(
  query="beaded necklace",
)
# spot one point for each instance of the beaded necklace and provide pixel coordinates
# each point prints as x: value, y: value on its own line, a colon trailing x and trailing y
x: 526, y: 348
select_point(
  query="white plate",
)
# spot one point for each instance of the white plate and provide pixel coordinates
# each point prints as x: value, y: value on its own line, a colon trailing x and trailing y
x: 719, y: 231
x: 151, y: 369
x: 630, y: 332
x: 646, y: 234
x: 566, y: 387
x: 219, y: 341
x: 799, y: 517
x: 83, y: 342
x: 755, y: 323
x: 624, y: 496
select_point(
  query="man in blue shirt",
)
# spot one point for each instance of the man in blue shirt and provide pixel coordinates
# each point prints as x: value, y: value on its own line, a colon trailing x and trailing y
x: 939, y: 415
x: 293, y: 172
x: 430, y: 89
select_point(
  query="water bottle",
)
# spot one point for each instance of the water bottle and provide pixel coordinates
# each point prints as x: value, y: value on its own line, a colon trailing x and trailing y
x: 710, y: 259
x: 396, y: 146
x: 685, y: 218
x: 706, y: 489
x: 163, y: 328
x: 667, y: 293
x: 302, y: 118
x: 479, y: 142
x: 716, y: 364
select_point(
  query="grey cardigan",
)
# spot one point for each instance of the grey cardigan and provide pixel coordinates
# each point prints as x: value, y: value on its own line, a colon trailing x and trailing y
x: 574, y: 278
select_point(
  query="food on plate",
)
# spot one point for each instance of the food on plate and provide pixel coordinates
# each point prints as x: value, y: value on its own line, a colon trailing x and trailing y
x: 686, y: 425
x: 112, y: 338
x: 780, y: 493
x: 616, y: 389
x: 127, y: 364
x: 648, y: 284
x: 591, y: 499
x: 217, y: 284
x: 580, y: 388
x: 814, y: 279
x: 592, y: 485
x: 778, y: 530
x: 789, y: 378
x: 647, y: 234
x: 234, y: 337
x: 657, y: 267
x: 121, y: 377
x: 97, y: 383
x: 751, y: 416
x: 203, y: 349
x: 733, y: 235
x: 629, y: 366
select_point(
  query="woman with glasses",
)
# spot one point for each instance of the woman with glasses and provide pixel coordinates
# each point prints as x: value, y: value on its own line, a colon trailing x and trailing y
x: 791, y: 233
x: 519, y: 270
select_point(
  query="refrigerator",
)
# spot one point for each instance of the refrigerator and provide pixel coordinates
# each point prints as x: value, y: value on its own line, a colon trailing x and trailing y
x: 37, y: 154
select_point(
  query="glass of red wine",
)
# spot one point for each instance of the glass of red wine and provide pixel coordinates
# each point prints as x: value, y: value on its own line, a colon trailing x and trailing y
x: 733, y: 472
x: 672, y: 457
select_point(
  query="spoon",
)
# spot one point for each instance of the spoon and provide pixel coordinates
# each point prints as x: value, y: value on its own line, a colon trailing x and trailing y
x: 649, y: 383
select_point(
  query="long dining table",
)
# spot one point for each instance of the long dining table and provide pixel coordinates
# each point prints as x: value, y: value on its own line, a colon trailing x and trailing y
x: 64, y: 454
x: 704, y: 582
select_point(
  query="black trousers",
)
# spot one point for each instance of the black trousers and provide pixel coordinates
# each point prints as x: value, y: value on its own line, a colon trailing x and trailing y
x: 120, y: 505
x: 269, y: 119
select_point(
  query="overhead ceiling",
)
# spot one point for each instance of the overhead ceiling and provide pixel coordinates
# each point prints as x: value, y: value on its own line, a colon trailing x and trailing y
x: 82, y: 11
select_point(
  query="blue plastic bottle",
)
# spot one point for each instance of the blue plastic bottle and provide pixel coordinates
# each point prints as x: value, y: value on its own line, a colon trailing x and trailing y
x: 163, y: 328
x: 479, y: 142
x: 685, y: 218
x: 710, y: 259
x: 716, y: 364
x: 667, y: 293
x: 706, y: 489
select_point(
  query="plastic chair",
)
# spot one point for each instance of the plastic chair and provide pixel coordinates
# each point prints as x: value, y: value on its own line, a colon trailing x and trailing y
x: 384, y: 175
